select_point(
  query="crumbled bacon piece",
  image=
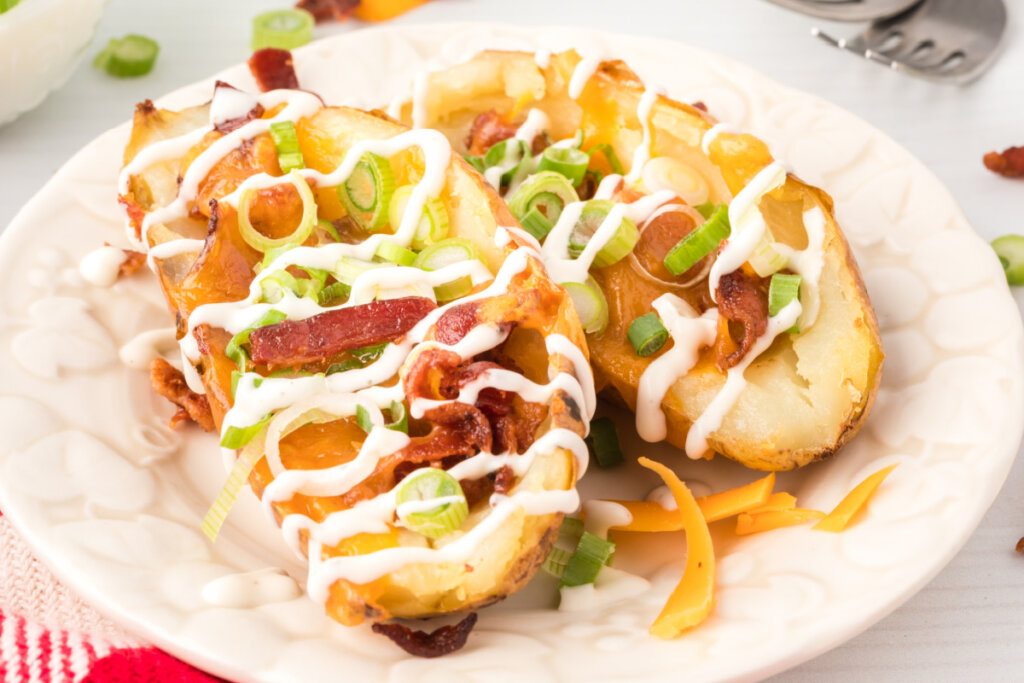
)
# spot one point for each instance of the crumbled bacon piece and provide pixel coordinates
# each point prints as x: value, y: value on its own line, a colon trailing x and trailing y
x: 135, y: 212
x: 133, y: 261
x: 741, y: 300
x: 504, y: 479
x: 1009, y: 163
x: 295, y: 342
x: 170, y: 383
x: 442, y: 641
x: 1020, y: 546
x: 328, y: 10
x: 225, y: 127
x: 273, y: 69
x: 700, y: 105
x: 488, y: 129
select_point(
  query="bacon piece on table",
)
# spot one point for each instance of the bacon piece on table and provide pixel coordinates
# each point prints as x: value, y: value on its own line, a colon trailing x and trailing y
x: 1009, y: 163
x: 168, y: 381
x: 295, y: 342
x: 328, y: 10
x: 740, y: 300
x: 442, y: 641
x: 273, y: 69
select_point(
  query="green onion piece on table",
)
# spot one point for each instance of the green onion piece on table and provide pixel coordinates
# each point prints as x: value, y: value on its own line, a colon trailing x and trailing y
x: 568, y: 161
x: 647, y: 334
x: 591, y: 305
x: 561, y: 551
x: 7, y: 5
x: 1010, y: 250
x: 286, y: 142
x: 783, y: 290
x: 367, y: 192
x: 431, y: 502
x: 257, y: 240
x: 446, y: 252
x: 591, y: 554
x: 704, y: 239
x: 285, y: 29
x: 433, y: 223
x: 593, y: 215
x: 603, y: 443
x: 128, y: 57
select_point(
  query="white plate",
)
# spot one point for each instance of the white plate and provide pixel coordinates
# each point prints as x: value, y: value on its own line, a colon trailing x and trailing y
x: 111, y: 500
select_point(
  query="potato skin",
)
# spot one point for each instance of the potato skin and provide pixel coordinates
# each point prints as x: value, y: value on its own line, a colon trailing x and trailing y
x: 806, y: 397
x: 510, y: 557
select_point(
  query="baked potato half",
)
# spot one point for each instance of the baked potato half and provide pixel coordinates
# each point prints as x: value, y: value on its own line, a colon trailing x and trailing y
x: 348, y: 345
x: 731, y: 379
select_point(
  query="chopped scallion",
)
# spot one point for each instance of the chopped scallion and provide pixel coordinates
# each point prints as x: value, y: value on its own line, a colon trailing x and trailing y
x: 367, y: 192
x: 446, y: 252
x: 568, y: 161
x: 431, y: 502
x: 647, y: 334
x: 603, y: 442
x: 593, y: 215
x: 1010, y: 250
x: 307, y: 222
x: 285, y: 29
x: 509, y: 154
x: 609, y: 154
x: 234, y: 350
x: 396, y: 253
x: 704, y: 239
x: 237, y: 437
x: 591, y: 554
x: 128, y: 57
x: 433, y: 223
x: 783, y: 290
x: 591, y: 305
x: 286, y: 142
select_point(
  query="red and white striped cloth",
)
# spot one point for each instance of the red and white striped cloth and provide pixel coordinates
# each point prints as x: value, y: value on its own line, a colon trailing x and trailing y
x: 48, y: 635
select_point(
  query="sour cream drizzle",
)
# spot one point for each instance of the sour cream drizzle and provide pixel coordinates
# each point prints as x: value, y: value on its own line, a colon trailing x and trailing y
x: 319, y: 398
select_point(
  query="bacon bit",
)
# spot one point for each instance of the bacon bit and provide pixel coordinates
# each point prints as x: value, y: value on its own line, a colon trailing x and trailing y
x: 700, y: 105
x: 504, y: 480
x: 740, y: 300
x: 659, y: 237
x: 327, y: 10
x: 476, y: 490
x: 273, y: 69
x: 135, y: 213
x: 295, y: 342
x: 225, y: 127
x: 1009, y: 163
x: 1020, y: 546
x: 133, y: 261
x: 442, y: 641
x: 489, y: 129
x: 169, y: 382
x: 457, y: 321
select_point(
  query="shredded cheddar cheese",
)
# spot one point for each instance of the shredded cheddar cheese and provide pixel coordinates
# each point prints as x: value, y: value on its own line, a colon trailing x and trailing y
x: 766, y: 521
x: 777, y: 502
x: 853, y: 502
x: 694, y: 597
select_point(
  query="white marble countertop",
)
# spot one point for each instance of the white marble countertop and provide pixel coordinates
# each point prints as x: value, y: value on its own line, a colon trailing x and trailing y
x: 968, y: 623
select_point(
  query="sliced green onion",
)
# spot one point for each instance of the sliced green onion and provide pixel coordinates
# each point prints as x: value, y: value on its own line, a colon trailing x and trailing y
x: 546, y: 193
x: 367, y: 192
x: 329, y: 228
x: 128, y: 57
x: 568, y: 161
x: 399, y: 417
x: 504, y: 152
x: 237, y: 437
x: 556, y: 561
x: 363, y: 419
x: 456, y: 289
x: 475, y: 161
x: 286, y: 142
x: 349, y: 268
x: 561, y: 550
x: 647, y: 334
x: 446, y: 252
x: 622, y: 242
x: 275, y: 284
x: 704, y: 239
x: 433, y: 224
x: 766, y: 260
x: 7, y: 4
x: 360, y: 358
x: 261, y: 242
x: 228, y: 494
x: 591, y: 306
x: 333, y: 294
x: 782, y: 290
x: 396, y: 253
x: 603, y: 442
x: 613, y: 160
x: 591, y: 554
x: 431, y: 484
x: 234, y: 350
x: 536, y: 223
x: 706, y: 209
x: 1010, y: 250
x: 666, y: 173
x: 285, y: 29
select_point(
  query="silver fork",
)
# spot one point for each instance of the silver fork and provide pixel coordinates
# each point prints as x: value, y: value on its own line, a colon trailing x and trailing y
x: 848, y: 10
x: 944, y: 40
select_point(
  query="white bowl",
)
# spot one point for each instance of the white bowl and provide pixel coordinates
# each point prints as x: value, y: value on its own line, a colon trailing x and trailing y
x: 41, y: 43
